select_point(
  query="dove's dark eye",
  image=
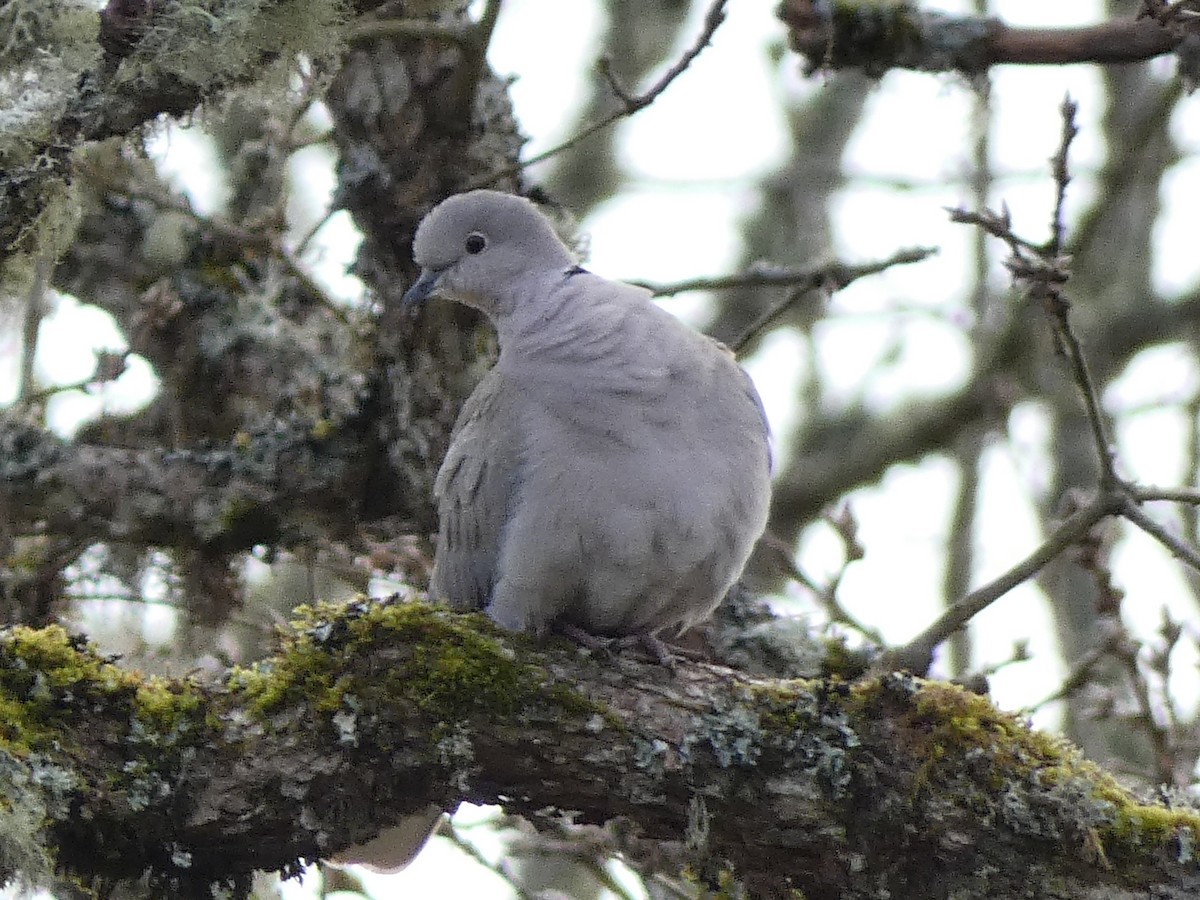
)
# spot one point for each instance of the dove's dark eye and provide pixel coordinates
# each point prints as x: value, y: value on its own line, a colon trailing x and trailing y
x: 476, y: 242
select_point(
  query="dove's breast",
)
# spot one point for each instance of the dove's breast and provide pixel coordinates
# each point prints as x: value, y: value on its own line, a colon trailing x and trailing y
x: 645, y: 483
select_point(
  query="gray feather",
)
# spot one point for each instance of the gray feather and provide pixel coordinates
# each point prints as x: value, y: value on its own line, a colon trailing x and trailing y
x: 475, y: 488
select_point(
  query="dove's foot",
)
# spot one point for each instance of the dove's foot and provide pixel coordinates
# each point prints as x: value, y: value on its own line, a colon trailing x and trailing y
x: 648, y: 646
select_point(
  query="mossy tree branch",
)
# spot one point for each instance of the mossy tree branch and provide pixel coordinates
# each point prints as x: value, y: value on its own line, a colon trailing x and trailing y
x: 374, y: 709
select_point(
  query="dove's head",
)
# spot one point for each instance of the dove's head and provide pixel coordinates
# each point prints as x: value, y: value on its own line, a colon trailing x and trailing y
x: 485, y: 249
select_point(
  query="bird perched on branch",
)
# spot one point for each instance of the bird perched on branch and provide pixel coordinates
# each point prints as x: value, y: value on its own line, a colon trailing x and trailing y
x: 610, y: 474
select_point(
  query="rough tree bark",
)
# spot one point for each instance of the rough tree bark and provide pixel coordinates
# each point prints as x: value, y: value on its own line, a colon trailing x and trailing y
x: 885, y: 786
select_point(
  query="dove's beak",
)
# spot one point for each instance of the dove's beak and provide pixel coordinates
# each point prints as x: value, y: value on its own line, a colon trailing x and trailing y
x: 422, y: 287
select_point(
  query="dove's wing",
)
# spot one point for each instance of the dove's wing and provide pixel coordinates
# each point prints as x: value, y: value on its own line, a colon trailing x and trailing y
x: 475, y: 488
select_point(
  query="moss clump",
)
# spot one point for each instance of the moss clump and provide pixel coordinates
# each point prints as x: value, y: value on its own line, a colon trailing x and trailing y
x: 1138, y: 827
x: 52, y: 683
x: 443, y: 664
x: 48, y: 680
x: 949, y: 726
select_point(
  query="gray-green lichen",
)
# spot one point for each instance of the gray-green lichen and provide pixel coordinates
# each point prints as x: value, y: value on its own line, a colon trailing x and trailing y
x: 212, y: 43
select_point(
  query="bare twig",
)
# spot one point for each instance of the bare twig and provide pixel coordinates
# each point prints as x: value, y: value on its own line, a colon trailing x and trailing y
x: 580, y: 846
x: 768, y: 275
x: 1178, y: 548
x: 674, y: 888
x: 1043, y: 271
x: 1049, y: 290
x: 1161, y: 743
x: 630, y: 103
x: 1078, y: 676
x: 917, y: 653
x: 1189, y: 495
x: 828, y: 280
x: 1091, y: 398
x: 308, y: 236
x: 842, y: 522
x: 1062, y: 175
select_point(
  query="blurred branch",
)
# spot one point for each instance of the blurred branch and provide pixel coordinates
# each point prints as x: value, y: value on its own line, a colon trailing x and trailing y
x: 842, y: 451
x: 1042, y: 271
x: 110, y: 365
x: 31, y: 323
x: 448, y: 830
x: 631, y: 103
x: 878, y: 37
x: 253, y: 238
x: 273, y: 487
x: 1181, y: 551
x: 1188, y: 495
x: 1080, y: 674
x: 844, y: 525
x: 969, y: 448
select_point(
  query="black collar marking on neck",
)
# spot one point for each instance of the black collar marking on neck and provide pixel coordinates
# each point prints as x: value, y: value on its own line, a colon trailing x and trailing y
x: 575, y: 270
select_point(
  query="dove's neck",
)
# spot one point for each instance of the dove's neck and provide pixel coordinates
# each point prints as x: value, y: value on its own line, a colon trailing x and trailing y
x: 589, y: 334
x: 547, y: 313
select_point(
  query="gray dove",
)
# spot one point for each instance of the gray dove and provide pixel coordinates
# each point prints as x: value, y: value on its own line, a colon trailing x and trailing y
x: 611, y: 473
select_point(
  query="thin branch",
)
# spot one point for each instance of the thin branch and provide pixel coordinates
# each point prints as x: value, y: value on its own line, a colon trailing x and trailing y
x: 630, y: 103
x: 917, y: 653
x: 769, y: 275
x: 1189, y: 495
x: 1091, y: 398
x: 450, y: 832
x: 1062, y: 175
x: 1178, y: 548
x: 825, y: 594
x: 1050, y: 291
x: 1043, y: 271
x: 828, y: 280
x: 588, y: 848
x: 46, y: 393
x: 307, y: 238
x: 1079, y: 675
x: 1126, y: 653
x: 673, y: 888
